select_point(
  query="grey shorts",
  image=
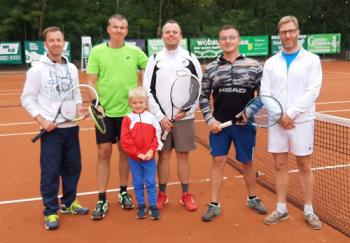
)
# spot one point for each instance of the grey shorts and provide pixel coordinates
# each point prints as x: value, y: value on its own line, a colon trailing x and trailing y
x: 181, y: 137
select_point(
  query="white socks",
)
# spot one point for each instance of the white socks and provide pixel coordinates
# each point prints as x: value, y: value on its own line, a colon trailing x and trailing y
x: 282, y: 207
x: 308, y: 209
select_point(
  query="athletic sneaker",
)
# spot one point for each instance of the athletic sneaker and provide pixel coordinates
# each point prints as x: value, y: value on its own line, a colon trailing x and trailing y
x: 100, y: 210
x: 51, y: 222
x: 141, y: 212
x: 162, y: 200
x: 188, y: 201
x: 74, y: 208
x: 212, y: 212
x: 154, y: 213
x: 125, y: 201
x: 313, y: 221
x: 275, y: 217
x: 257, y: 205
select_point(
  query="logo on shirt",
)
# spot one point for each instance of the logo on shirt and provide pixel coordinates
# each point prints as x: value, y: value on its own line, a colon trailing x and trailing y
x: 232, y: 90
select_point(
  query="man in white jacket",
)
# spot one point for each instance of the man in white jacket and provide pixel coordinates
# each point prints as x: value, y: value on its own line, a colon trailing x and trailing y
x: 45, y: 86
x: 160, y: 74
x: 293, y: 76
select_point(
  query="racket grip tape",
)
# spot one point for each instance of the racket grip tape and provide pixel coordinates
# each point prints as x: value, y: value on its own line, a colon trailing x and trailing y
x: 165, y: 135
x: 39, y: 135
x: 225, y: 124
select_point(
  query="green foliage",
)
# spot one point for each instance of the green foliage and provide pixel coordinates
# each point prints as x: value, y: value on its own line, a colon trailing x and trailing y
x: 198, y: 18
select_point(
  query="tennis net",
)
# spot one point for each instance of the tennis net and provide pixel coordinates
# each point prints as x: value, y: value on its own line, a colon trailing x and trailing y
x: 330, y: 165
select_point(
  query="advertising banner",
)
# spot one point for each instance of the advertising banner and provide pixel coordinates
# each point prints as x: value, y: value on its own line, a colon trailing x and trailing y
x: 276, y: 44
x: 205, y: 47
x: 10, y: 52
x: 254, y: 45
x: 155, y: 45
x: 35, y: 49
x: 324, y: 43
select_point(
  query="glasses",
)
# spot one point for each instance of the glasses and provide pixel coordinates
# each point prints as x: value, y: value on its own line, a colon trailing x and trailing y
x: 229, y: 37
x: 290, y: 32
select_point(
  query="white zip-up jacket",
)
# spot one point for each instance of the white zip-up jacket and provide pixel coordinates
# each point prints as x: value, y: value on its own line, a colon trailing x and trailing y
x: 45, y: 85
x: 296, y: 88
x: 159, y: 76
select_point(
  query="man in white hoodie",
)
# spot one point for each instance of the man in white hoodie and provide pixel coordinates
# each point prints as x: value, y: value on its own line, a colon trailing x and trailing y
x: 160, y: 74
x: 46, y: 83
x: 293, y: 76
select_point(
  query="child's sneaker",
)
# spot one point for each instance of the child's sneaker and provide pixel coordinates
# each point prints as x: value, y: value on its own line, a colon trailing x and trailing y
x: 74, y: 208
x: 154, y: 213
x: 141, y: 212
x: 51, y: 222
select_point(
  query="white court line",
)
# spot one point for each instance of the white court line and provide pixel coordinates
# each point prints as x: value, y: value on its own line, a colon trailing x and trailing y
x: 333, y: 102
x: 330, y: 167
x: 96, y: 192
x: 17, y: 123
x: 29, y: 133
x: 333, y: 111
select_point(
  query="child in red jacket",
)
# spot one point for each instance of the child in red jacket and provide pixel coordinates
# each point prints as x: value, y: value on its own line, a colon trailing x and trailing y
x: 140, y: 139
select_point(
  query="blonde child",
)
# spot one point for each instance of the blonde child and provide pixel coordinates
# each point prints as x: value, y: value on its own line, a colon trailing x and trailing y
x: 140, y: 138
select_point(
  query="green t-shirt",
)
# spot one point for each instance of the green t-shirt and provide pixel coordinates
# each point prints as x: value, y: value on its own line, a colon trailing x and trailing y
x: 117, y: 74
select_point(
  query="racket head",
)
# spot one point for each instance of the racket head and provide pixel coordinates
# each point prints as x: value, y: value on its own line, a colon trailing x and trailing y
x: 97, y: 117
x: 263, y: 111
x: 185, y: 91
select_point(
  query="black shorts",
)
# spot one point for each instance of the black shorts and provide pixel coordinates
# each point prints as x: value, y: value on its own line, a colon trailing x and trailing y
x: 113, y: 127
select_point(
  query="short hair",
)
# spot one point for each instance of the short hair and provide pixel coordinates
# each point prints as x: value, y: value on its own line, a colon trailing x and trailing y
x: 51, y: 29
x: 171, y: 21
x: 229, y: 27
x: 287, y: 19
x: 117, y: 17
x: 138, y: 92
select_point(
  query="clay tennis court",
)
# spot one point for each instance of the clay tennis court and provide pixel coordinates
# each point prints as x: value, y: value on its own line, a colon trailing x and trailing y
x: 21, y: 217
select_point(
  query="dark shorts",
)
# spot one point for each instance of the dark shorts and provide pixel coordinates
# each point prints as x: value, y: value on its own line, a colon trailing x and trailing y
x: 243, y: 138
x: 113, y: 127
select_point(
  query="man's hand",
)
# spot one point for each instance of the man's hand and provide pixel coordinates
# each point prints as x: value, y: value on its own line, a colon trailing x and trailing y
x: 166, y: 124
x: 82, y: 111
x: 286, y: 122
x: 180, y: 115
x: 242, y: 119
x: 45, y: 124
x: 215, y: 127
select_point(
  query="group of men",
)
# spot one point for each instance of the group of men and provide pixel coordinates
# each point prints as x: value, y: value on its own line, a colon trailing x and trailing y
x: 293, y: 76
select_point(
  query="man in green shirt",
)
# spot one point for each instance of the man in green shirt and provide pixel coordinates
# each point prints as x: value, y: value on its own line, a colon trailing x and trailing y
x: 113, y: 70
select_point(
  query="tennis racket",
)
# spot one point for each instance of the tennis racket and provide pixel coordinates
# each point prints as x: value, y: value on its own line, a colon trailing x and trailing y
x: 184, y: 93
x: 261, y: 111
x: 67, y: 110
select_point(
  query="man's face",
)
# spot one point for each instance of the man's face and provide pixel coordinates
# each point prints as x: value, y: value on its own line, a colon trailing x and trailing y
x: 54, y: 43
x: 289, y: 33
x: 117, y: 29
x: 171, y: 35
x: 229, y: 40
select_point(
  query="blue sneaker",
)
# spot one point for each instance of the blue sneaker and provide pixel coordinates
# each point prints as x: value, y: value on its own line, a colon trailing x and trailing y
x: 51, y: 222
x: 141, y: 212
x: 211, y: 213
x: 154, y: 213
x: 74, y: 208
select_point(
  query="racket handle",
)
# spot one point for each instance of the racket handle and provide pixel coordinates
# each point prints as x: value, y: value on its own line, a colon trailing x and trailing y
x: 39, y: 135
x: 165, y: 135
x: 225, y: 124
